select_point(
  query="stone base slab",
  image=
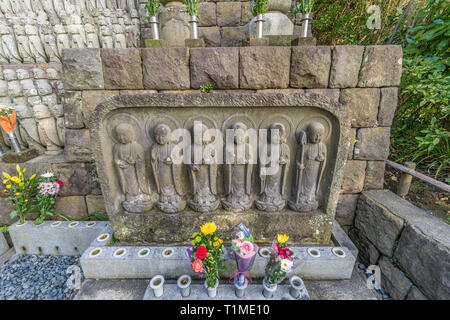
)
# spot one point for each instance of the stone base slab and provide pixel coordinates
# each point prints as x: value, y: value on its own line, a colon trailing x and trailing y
x: 194, y: 43
x: 152, y: 228
x: 254, y: 41
x: 20, y: 157
x: 155, y: 43
x: 101, y: 261
x: 59, y: 239
x: 309, y: 41
x: 224, y: 292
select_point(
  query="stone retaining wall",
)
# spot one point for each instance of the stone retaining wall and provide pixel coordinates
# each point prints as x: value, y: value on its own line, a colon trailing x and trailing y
x: 411, y: 247
x: 362, y: 78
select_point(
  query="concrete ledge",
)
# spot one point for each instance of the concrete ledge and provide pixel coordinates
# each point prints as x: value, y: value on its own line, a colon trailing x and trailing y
x: 65, y: 238
x: 224, y: 292
x: 100, y: 261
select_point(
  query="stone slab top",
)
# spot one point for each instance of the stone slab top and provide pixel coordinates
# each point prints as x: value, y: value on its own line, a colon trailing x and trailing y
x: 428, y: 225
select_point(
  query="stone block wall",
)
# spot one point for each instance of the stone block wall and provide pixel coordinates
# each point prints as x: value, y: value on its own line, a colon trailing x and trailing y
x: 362, y: 78
x: 411, y: 247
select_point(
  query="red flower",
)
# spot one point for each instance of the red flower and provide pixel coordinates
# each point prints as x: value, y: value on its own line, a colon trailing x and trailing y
x: 201, y: 252
x: 60, y: 183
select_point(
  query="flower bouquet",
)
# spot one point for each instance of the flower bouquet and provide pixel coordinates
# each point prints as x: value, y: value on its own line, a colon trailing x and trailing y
x: 8, y: 123
x: 206, y: 255
x: 48, y: 189
x: 245, y: 249
x: 279, y: 264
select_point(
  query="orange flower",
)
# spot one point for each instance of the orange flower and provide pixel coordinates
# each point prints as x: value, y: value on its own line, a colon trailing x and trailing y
x: 8, y: 122
x: 197, y: 265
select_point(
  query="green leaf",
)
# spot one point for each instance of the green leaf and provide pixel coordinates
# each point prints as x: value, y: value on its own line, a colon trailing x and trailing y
x: 13, y: 214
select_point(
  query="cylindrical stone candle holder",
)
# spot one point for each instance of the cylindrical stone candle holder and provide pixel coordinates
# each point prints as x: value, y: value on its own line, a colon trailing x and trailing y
x: 157, y: 284
x: 184, y: 283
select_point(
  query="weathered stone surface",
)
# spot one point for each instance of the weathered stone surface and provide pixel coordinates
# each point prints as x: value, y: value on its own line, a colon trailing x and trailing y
x: 94, y: 180
x: 75, y: 206
x: 362, y: 104
x: 275, y: 23
x: 228, y: 13
x: 122, y: 68
x: 374, y: 175
x: 166, y: 68
x: 280, y: 40
x: 95, y: 204
x: 393, y: 280
x: 207, y: 14
x: 174, y: 25
x: 283, y: 6
x: 211, y: 36
x: 21, y: 156
x: 233, y: 37
x: 388, y: 105
x: 367, y: 253
x: 75, y: 178
x: 378, y: 224
x: 255, y: 41
x: 217, y: 66
x: 423, y: 250
x: 7, y: 207
x: 424, y: 254
x: 73, y: 112
x: 352, y: 143
x: 194, y: 43
x: 310, y: 66
x: 354, y: 176
x: 372, y: 144
x: 381, y: 66
x: 155, y: 43
x: 345, y: 65
x: 82, y: 69
x: 78, y: 146
x: 264, y: 67
x: 415, y: 294
x: 333, y: 94
x: 346, y: 207
x: 246, y: 13
x: 92, y: 98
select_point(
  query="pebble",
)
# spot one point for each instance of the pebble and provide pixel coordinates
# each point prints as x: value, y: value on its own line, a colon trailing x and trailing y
x: 32, y: 277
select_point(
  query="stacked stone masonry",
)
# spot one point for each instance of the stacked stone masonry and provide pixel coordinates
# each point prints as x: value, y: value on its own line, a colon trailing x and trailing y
x: 91, y: 75
x: 411, y: 247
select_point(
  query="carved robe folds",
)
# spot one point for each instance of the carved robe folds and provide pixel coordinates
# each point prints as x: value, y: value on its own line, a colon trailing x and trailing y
x: 130, y: 166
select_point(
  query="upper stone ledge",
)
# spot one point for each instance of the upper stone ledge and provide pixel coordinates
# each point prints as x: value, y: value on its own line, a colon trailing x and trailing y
x: 179, y: 68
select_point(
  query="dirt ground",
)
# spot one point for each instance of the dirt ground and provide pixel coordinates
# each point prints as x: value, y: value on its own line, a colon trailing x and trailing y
x: 423, y: 195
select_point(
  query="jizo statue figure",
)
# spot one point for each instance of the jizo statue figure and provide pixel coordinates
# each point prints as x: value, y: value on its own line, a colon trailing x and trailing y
x: 238, y: 172
x: 129, y: 161
x: 203, y: 171
x: 166, y: 171
x: 310, y: 163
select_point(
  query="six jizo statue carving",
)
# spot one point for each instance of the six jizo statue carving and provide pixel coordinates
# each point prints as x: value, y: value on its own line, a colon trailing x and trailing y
x: 166, y: 160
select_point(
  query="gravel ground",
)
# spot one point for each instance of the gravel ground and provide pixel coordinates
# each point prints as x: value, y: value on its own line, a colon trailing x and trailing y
x: 34, y: 277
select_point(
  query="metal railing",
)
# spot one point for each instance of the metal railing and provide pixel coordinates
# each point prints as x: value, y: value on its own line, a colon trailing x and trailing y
x: 408, y: 173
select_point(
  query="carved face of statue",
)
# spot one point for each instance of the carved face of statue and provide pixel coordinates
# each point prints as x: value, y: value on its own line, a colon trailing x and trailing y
x: 125, y: 133
x: 240, y: 133
x: 162, y: 133
x: 276, y: 133
x: 41, y: 111
x: 316, y: 131
x: 201, y: 134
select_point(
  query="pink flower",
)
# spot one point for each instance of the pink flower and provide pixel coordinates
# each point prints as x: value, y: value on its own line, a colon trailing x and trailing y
x: 237, y: 242
x: 246, y: 247
x: 197, y: 265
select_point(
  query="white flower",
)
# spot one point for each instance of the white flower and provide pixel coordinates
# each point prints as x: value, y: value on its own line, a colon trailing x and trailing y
x: 240, y: 235
x: 286, y: 265
x: 47, y: 175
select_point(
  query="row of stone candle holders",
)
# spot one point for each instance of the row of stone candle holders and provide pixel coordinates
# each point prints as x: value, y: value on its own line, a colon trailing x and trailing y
x: 184, y: 286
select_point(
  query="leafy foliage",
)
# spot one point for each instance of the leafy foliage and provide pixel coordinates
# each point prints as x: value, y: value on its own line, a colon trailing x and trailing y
x: 303, y: 6
x: 191, y: 7
x: 259, y: 6
x: 152, y: 7
x: 206, y: 88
